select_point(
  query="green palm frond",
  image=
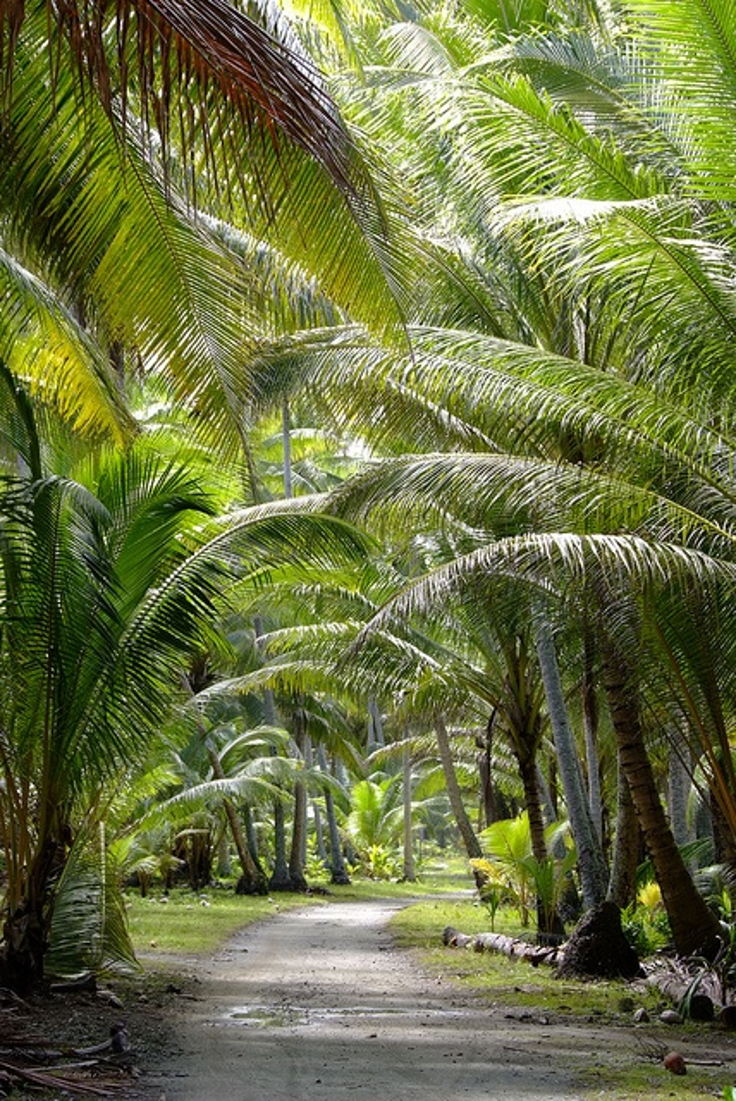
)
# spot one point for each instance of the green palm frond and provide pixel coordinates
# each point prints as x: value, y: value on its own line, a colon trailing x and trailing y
x: 89, y: 931
x: 691, y: 44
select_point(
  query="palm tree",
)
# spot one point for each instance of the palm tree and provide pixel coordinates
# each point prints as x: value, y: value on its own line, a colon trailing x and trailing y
x: 106, y: 581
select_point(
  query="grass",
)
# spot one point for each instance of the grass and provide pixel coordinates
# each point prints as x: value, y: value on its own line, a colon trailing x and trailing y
x: 498, y: 978
x: 190, y: 923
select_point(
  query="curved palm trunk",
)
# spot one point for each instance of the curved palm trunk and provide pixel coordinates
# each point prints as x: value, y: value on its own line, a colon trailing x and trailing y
x: 695, y: 928
x: 470, y: 841
x: 252, y: 881
x: 591, y: 864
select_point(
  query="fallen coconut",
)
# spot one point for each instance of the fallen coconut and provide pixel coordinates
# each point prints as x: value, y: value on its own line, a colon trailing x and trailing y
x: 674, y: 1063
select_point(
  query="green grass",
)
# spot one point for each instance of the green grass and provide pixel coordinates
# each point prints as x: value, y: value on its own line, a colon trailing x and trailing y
x: 183, y: 924
x: 498, y: 978
x: 643, y: 1081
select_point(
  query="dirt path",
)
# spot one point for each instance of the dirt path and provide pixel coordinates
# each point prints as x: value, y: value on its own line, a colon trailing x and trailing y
x: 318, y: 1004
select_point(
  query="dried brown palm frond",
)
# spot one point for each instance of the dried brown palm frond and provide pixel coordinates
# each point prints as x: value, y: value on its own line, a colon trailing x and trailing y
x: 189, y: 61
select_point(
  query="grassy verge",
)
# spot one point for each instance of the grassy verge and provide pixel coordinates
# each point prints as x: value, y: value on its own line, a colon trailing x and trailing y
x: 500, y: 979
x: 185, y: 922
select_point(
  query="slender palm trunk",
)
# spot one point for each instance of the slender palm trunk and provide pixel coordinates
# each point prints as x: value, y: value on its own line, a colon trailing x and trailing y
x: 591, y: 863
x: 279, y: 879
x: 339, y: 872
x: 375, y: 738
x: 622, y: 886
x: 678, y: 787
x: 409, y: 871
x: 549, y: 923
x: 319, y: 833
x: 590, y: 731
x: 695, y: 928
x: 299, y: 823
x: 467, y: 833
x: 252, y: 880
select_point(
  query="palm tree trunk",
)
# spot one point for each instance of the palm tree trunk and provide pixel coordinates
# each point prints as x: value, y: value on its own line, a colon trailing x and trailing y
x: 590, y: 731
x: 279, y: 879
x: 375, y: 739
x: 339, y: 873
x: 695, y: 928
x: 409, y: 872
x: 299, y: 824
x: 622, y: 886
x: 252, y: 881
x: 678, y: 787
x: 467, y: 833
x: 591, y: 864
x: 26, y: 927
x: 319, y: 833
x: 549, y: 923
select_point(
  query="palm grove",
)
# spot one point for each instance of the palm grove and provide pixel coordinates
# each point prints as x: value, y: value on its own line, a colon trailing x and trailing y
x: 364, y: 370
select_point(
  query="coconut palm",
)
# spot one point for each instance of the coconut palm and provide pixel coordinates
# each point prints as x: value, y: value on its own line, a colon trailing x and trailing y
x: 107, y: 581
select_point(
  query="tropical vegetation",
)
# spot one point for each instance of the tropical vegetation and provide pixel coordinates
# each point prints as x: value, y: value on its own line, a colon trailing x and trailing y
x: 366, y: 430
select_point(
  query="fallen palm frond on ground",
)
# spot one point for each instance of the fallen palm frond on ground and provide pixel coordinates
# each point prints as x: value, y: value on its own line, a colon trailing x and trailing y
x: 33, y: 1058
x: 88, y: 1078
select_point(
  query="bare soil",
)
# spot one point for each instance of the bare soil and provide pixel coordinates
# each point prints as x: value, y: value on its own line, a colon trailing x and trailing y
x: 319, y: 1004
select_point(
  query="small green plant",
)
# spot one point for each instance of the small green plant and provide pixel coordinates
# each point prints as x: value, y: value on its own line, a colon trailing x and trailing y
x: 729, y: 1093
x: 379, y: 862
x: 493, y: 890
x: 315, y: 869
x: 509, y: 846
x: 647, y: 928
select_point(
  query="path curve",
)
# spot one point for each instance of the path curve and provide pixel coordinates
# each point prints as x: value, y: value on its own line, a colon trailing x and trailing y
x: 318, y: 1004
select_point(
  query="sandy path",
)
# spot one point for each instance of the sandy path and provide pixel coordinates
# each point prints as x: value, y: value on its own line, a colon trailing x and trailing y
x: 318, y: 1004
